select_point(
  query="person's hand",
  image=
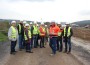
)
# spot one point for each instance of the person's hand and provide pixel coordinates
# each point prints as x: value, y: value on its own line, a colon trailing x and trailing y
x: 29, y: 40
x: 10, y: 38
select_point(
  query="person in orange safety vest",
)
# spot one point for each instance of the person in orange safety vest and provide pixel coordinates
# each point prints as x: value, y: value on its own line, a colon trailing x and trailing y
x: 42, y: 35
x: 53, y: 33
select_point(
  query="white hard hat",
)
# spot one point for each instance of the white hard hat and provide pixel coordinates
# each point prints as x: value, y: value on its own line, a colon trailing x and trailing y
x: 37, y: 25
x: 35, y: 22
x: 26, y: 24
x: 59, y: 23
x: 63, y: 26
x: 42, y: 23
x: 21, y: 20
x: 30, y: 22
x: 67, y: 23
x: 45, y: 25
x: 13, y: 22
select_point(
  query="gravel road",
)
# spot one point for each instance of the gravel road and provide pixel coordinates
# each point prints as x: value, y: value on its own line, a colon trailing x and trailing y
x: 39, y: 57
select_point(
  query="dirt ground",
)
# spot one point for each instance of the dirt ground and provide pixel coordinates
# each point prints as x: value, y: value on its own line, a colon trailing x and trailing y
x: 41, y: 56
x: 83, y: 33
x: 81, y: 50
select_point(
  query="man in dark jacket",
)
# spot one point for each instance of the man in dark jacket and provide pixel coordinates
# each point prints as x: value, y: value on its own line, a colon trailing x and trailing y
x: 20, y: 28
x: 67, y: 33
x: 34, y: 33
x: 31, y: 29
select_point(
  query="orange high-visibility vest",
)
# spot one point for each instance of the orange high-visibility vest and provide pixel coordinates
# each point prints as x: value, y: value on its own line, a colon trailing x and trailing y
x: 42, y: 31
x: 54, y: 30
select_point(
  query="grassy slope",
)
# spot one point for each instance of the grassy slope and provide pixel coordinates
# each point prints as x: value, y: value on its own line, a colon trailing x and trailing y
x: 3, y: 37
x: 3, y: 30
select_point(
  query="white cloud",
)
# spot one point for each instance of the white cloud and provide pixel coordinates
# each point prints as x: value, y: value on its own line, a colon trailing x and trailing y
x: 59, y: 10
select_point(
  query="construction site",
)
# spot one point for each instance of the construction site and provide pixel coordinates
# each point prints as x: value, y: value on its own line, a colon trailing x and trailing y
x: 44, y: 32
x: 80, y: 54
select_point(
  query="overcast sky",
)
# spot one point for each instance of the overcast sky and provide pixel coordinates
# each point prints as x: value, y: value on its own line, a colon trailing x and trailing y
x: 48, y: 10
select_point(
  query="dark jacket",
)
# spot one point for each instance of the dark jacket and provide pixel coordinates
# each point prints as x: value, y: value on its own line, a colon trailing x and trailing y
x: 32, y: 30
x: 26, y: 33
x: 22, y: 30
x: 67, y: 32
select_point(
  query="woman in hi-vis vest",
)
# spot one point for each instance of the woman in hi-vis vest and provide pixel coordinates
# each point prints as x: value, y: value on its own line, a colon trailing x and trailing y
x: 13, y: 36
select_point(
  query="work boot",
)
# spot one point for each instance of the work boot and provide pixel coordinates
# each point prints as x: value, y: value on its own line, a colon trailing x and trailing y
x: 68, y: 52
x: 52, y: 54
x: 60, y: 50
x: 30, y: 52
x: 20, y: 49
x: 44, y: 47
x: 13, y: 53
x: 65, y: 52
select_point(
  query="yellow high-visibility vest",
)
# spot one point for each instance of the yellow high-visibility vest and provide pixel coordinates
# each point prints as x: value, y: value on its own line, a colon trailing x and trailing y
x: 14, y: 32
x: 19, y: 28
x: 47, y: 31
x: 68, y: 33
x: 35, y: 31
x: 29, y: 34
x: 59, y: 33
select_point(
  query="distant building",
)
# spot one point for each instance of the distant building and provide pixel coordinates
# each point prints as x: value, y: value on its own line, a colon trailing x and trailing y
x: 63, y: 23
x: 87, y: 26
x: 74, y: 25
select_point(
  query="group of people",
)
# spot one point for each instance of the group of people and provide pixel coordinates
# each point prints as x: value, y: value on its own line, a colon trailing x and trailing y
x: 32, y: 35
x: 58, y: 36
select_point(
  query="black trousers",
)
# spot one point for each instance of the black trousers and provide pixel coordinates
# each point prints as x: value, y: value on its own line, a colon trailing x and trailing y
x: 41, y: 41
x: 28, y: 48
x: 67, y: 44
x: 38, y: 37
x: 13, y: 45
x: 59, y: 44
x: 35, y: 40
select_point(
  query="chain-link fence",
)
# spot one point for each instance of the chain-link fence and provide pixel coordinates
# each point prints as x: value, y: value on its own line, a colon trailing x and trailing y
x: 83, y: 33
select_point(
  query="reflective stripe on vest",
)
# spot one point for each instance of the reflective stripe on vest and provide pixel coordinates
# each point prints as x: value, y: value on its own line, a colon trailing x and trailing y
x: 29, y: 34
x: 59, y: 33
x: 19, y: 28
x: 14, y: 32
x: 47, y: 31
x: 68, y: 33
x: 35, y: 31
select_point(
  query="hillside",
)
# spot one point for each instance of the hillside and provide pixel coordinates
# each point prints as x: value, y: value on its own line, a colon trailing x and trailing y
x: 82, y: 23
x: 3, y: 30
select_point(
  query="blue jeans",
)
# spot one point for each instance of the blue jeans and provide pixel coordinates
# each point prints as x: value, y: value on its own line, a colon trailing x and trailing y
x: 20, y: 42
x: 31, y: 42
x: 53, y: 43
x: 68, y: 44
x: 35, y: 37
x: 59, y: 44
x: 13, y: 45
